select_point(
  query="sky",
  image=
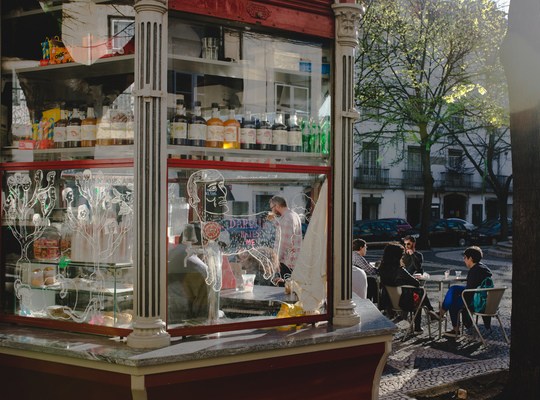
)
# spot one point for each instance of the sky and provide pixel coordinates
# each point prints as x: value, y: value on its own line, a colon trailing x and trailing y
x: 503, y: 3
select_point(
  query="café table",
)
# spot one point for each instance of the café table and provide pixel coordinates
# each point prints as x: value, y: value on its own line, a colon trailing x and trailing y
x: 441, y: 281
x: 263, y: 300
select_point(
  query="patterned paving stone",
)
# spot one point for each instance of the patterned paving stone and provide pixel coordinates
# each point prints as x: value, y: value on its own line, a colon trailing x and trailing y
x: 420, y: 363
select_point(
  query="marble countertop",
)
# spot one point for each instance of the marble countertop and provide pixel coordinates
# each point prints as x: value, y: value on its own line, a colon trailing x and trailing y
x: 115, y: 351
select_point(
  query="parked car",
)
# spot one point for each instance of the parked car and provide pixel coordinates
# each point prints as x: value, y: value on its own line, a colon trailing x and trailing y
x: 467, y: 224
x: 489, y: 232
x: 445, y: 232
x: 402, y: 224
x: 376, y: 231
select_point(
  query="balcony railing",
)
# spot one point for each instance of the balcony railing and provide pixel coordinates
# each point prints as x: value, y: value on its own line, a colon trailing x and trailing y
x: 412, y: 178
x: 379, y: 178
x: 456, y: 181
x: 371, y: 177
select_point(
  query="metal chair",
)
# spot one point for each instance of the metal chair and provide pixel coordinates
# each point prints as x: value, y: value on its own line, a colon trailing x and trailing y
x: 394, y: 293
x: 493, y: 300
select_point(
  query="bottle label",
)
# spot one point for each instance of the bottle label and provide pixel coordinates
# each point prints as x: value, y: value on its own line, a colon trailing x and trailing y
x: 74, y: 133
x: 104, y: 131
x: 130, y: 131
x: 179, y: 130
x: 214, y: 133
x: 279, y: 137
x: 60, y: 133
x: 118, y: 130
x: 197, y: 132
x: 264, y: 136
x: 88, y: 132
x: 295, y: 138
x: 248, y: 135
x: 230, y: 133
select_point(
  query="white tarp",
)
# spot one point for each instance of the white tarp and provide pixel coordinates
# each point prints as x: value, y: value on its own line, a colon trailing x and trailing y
x: 309, y: 274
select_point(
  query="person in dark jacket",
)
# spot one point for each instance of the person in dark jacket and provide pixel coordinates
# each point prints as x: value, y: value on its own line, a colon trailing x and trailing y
x: 412, y: 258
x: 453, y: 302
x: 393, y: 273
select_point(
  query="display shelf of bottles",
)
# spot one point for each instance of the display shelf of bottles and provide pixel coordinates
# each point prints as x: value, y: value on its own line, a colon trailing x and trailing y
x: 117, y: 65
x: 10, y: 154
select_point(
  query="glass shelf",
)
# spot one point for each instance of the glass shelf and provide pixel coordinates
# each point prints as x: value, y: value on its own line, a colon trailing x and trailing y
x: 10, y: 154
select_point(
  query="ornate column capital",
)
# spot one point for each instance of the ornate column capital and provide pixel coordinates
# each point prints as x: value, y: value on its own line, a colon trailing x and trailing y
x: 151, y: 5
x: 347, y: 18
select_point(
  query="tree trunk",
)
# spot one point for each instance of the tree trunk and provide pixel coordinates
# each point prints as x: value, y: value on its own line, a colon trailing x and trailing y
x: 521, y: 58
x: 502, y: 198
x: 427, y: 179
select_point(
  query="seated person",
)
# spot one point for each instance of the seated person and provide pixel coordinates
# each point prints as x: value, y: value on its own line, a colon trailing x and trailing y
x: 188, y: 292
x: 453, y: 301
x: 412, y: 259
x: 264, y: 263
x: 359, y: 247
x: 393, y: 273
x: 359, y: 282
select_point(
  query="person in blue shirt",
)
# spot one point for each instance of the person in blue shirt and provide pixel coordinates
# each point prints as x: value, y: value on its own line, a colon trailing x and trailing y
x: 453, y: 303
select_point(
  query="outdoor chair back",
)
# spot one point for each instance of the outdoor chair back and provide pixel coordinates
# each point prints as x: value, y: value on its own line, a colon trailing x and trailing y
x: 493, y: 301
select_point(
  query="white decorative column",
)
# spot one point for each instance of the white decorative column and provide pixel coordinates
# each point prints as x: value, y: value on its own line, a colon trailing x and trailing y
x: 150, y: 164
x: 347, y: 18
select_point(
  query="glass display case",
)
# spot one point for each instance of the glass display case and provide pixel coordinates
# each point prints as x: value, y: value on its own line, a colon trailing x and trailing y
x: 67, y: 239
x: 248, y: 116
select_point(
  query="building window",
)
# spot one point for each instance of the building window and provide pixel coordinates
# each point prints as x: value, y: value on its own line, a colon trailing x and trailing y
x: 370, y: 155
x: 121, y: 30
x: 414, y: 159
x: 455, y: 160
x: 456, y: 123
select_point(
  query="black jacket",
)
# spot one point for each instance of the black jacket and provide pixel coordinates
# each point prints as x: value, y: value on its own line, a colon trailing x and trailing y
x: 413, y: 262
x: 475, y: 277
x: 396, y: 276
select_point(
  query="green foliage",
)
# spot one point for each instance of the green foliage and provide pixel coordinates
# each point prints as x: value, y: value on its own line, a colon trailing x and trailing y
x: 422, y: 62
x: 428, y: 73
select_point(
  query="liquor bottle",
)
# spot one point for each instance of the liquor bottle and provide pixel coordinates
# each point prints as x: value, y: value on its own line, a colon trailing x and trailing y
x: 264, y: 135
x: 304, y: 125
x: 118, y: 126
x: 103, y: 135
x: 197, y: 127
x: 130, y: 128
x: 179, y: 125
x: 214, y: 133
x: 73, y: 130
x: 314, y: 138
x: 279, y: 134
x: 248, y: 132
x: 294, y: 139
x: 89, y: 129
x: 60, y: 130
x: 231, y: 131
x: 325, y: 136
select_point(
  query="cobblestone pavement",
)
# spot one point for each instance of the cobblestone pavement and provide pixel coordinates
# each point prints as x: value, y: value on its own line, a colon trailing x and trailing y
x: 420, y: 363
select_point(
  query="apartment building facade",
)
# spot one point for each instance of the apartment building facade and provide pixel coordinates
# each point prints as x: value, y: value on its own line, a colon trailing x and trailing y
x: 388, y: 182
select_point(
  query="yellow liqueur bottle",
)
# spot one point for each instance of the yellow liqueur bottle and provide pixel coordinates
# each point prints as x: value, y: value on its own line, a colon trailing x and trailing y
x: 214, y: 134
x: 231, y: 131
x: 89, y: 129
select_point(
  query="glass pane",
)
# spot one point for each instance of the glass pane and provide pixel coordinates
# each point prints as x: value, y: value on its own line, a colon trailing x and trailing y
x: 67, y: 238
x: 268, y: 80
x: 213, y: 251
x: 67, y: 82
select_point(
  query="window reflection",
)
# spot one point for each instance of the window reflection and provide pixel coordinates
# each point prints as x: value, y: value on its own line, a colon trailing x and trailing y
x: 229, y: 247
